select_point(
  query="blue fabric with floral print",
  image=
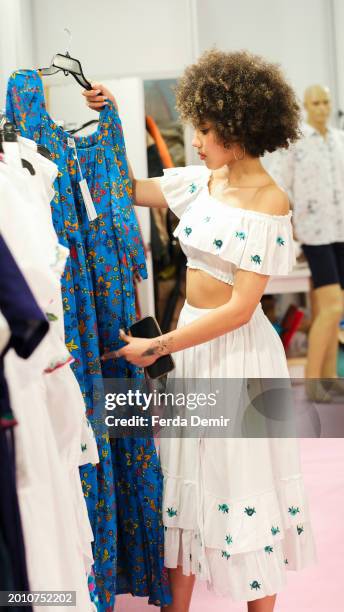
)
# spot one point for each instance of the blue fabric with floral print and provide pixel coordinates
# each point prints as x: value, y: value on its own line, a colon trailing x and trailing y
x: 124, y: 491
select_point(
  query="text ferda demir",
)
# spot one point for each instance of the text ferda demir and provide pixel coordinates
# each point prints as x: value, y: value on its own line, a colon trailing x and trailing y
x: 137, y: 398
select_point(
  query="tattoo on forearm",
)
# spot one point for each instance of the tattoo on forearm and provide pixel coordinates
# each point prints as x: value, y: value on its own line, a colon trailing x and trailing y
x: 149, y: 352
x: 160, y: 346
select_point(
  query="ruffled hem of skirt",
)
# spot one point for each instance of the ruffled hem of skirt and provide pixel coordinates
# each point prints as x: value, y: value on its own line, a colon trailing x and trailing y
x: 243, y: 548
x: 243, y: 576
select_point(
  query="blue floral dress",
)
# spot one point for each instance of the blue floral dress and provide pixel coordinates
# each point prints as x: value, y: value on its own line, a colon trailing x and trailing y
x: 123, y: 492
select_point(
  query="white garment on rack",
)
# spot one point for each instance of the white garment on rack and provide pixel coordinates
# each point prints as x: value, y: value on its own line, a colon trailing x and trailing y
x: 46, y: 172
x: 49, y: 408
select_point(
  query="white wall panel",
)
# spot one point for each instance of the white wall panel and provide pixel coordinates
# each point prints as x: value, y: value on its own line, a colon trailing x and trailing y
x: 116, y: 37
x: 293, y: 33
x: 16, y: 46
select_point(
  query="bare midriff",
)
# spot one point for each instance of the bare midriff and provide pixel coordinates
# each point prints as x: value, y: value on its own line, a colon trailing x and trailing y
x: 205, y: 291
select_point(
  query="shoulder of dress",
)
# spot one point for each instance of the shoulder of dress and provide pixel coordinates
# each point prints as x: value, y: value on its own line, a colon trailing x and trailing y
x: 25, y: 74
x: 25, y: 82
x: 189, y: 173
x: 181, y: 186
x: 252, y: 240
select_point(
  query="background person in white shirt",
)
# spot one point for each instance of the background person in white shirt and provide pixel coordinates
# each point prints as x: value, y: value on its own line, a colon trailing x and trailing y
x: 312, y: 171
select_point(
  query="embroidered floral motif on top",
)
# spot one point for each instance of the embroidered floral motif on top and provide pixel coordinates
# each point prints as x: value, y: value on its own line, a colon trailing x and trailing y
x: 187, y: 231
x: 218, y: 243
x: 275, y: 530
x: 268, y: 549
x: 223, y: 508
x: 192, y: 188
x: 300, y: 529
x: 256, y: 259
x: 240, y: 235
x: 280, y: 241
x: 207, y: 219
x: 229, y: 539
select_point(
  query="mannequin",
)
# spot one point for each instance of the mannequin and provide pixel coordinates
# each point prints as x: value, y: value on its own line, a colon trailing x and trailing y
x: 327, y: 301
x: 312, y: 172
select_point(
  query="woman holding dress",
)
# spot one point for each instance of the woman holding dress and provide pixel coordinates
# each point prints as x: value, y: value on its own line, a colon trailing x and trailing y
x: 234, y: 510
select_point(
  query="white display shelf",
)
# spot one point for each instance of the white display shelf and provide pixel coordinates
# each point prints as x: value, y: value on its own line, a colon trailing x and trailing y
x: 296, y: 282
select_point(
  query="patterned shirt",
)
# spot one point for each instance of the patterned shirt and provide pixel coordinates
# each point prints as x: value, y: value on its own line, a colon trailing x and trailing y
x: 312, y: 172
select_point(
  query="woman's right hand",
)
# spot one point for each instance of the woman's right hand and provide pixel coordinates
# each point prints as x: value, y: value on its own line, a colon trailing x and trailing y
x: 98, y: 96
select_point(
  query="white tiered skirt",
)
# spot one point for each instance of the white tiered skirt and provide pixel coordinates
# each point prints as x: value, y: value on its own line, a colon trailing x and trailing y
x: 234, y: 509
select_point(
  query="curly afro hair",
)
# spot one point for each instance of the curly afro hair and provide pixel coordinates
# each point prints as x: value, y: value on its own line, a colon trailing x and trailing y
x: 245, y: 98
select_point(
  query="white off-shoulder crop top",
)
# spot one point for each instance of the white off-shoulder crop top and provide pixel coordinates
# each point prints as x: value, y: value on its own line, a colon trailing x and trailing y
x: 219, y: 238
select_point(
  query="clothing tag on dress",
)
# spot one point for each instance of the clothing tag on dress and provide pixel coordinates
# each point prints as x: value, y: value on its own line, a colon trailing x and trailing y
x: 91, y: 211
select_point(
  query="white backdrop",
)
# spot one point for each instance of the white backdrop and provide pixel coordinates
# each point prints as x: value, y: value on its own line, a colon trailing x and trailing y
x: 116, y: 37
x: 294, y: 33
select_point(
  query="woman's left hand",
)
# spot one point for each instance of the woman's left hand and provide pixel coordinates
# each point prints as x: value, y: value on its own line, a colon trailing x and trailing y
x: 134, y: 351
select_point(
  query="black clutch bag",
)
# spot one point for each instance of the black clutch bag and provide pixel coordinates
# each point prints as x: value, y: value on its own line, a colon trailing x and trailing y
x: 148, y: 327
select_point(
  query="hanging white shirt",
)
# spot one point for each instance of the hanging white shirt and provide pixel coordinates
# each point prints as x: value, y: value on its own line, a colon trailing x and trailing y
x: 312, y: 172
x: 48, y: 406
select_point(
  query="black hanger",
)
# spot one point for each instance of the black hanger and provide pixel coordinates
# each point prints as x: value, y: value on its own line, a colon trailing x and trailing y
x: 26, y: 164
x: 40, y: 148
x: 68, y: 65
x: 8, y: 134
x: 44, y: 151
x: 84, y: 125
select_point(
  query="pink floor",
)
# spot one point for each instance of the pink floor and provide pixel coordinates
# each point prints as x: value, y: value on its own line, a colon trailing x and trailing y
x: 318, y: 588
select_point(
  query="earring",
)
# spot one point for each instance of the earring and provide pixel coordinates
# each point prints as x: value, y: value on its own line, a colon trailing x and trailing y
x: 240, y: 158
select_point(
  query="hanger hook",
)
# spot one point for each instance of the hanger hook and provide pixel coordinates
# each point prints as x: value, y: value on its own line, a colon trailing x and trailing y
x: 68, y: 32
